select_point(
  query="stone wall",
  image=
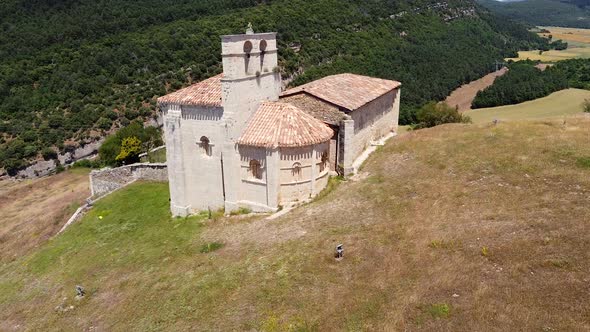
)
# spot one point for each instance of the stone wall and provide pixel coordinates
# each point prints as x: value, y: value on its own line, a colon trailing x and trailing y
x: 365, y: 126
x: 105, y: 181
x: 374, y: 121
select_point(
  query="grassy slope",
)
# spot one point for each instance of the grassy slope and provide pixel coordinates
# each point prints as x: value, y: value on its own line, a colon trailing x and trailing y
x: 32, y: 211
x: 558, y: 104
x: 520, y: 190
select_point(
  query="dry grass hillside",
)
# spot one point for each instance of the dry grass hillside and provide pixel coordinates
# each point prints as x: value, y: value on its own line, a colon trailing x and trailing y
x: 454, y: 228
x: 32, y: 211
x: 558, y: 105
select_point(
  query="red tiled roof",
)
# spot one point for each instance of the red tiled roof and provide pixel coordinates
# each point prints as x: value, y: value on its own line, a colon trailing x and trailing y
x: 318, y: 108
x: 346, y: 90
x: 205, y: 93
x: 277, y: 124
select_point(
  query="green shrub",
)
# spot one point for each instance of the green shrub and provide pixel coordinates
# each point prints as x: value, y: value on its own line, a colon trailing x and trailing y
x: 49, y: 153
x: 485, y: 251
x: 130, y: 150
x: 59, y: 169
x: 240, y: 211
x: 439, y: 310
x: 210, y: 247
x: 586, y: 106
x: 104, y: 123
x: 149, y: 138
x: 583, y: 162
x: 87, y: 163
x: 434, y: 114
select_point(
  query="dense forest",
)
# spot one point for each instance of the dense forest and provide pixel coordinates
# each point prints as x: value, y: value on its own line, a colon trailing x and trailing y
x: 563, y: 13
x: 76, y: 70
x: 525, y: 82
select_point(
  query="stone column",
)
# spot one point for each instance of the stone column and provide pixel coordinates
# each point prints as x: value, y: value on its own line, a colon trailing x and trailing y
x: 314, y: 168
x: 273, y: 178
x: 175, y: 161
x: 396, y: 103
x: 231, y: 176
x: 346, y: 154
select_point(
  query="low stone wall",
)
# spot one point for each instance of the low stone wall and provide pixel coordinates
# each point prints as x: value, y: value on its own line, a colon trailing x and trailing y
x: 105, y: 181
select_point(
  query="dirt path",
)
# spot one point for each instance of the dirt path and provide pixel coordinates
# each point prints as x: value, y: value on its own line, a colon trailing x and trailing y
x: 34, y: 210
x: 463, y: 96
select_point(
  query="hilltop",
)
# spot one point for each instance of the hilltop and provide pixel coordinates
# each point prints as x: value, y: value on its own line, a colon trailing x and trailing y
x: 499, y: 240
x: 105, y: 63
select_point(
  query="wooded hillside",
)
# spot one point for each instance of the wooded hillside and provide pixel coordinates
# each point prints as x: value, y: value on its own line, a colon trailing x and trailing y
x: 562, y: 13
x: 72, y: 71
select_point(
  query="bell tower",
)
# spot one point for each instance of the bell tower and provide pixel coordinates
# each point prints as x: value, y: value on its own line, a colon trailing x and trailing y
x: 250, y: 76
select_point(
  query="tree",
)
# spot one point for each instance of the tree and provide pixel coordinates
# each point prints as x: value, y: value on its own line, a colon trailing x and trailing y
x: 130, y: 150
x: 49, y: 153
x: 434, y: 114
x: 104, y: 123
x: 109, y: 150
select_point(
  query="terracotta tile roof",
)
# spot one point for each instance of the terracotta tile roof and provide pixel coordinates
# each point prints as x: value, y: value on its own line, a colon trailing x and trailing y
x: 205, y: 93
x: 319, y: 109
x: 277, y: 124
x: 349, y: 91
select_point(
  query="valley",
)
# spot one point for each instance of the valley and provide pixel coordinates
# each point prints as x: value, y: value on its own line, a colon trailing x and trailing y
x: 578, y: 46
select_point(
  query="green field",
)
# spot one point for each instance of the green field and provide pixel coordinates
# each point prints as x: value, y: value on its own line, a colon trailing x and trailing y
x: 559, y: 104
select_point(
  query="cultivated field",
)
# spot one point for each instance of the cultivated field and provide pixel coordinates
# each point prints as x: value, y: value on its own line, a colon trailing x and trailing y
x: 453, y: 228
x: 32, y: 211
x: 560, y: 104
x: 578, y: 40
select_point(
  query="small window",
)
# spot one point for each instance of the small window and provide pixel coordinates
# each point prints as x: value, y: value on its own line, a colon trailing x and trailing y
x: 255, y: 169
x: 296, y: 170
x: 263, y: 46
x: 324, y: 162
x: 205, y: 145
x: 248, y: 47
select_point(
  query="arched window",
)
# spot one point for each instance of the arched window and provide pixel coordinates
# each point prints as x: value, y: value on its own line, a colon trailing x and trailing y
x: 296, y: 170
x: 248, y: 47
x: 255, y: 169
x: 263, y: 45
x: 205, y: 145
x: 324, y: 162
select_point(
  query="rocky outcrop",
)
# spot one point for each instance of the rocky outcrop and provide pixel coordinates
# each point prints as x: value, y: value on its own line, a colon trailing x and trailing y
x: 46, y: 167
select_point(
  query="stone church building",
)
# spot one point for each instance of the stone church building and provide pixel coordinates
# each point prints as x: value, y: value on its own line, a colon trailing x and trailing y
x: 235, y: 140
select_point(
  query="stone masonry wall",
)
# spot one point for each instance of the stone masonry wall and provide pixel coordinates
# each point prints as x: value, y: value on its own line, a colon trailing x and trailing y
x: 105, y: 181
x: 373, y: 121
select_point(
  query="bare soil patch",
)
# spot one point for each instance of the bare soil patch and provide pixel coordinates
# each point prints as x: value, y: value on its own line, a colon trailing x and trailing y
x: 463, y: 96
